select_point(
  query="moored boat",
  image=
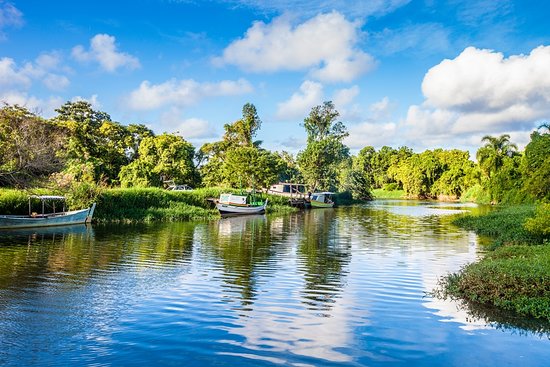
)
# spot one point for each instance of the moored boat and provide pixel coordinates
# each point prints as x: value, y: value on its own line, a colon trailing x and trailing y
x: 321, y: 200
x: 44, y: 219
x: 240, y: 204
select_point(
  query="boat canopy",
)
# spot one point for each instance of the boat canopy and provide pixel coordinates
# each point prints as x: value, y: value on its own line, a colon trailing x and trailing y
x: 48, y: 197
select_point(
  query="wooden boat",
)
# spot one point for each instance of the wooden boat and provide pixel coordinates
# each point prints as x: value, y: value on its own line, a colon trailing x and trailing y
x: 44, y: 219
x: 231, y: 204
x: 321, y: 200
x: 289, y: 189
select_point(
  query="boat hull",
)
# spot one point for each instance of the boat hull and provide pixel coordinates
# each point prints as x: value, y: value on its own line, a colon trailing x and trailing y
x: 61, y: 219
x: 318, y: 204
x: 228, y: 209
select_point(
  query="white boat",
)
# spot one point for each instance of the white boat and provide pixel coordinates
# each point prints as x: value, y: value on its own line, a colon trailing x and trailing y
x: 288, y: 189
x: 321, y: 200
x: 44, y: 219
x: 240, y: 204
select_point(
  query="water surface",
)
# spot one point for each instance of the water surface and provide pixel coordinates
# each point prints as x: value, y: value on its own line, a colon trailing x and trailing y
x: 342, y: 287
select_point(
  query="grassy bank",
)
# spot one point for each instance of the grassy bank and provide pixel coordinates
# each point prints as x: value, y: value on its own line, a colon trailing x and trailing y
x: 385, y: 194
x: 136, y: 205
x: 515, y: 273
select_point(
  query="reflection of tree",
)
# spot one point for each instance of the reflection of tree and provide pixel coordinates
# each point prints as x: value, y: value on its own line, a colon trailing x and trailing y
x: 500, y: 319
x: 74, y: 254
x: 325, y: 252
x: 243, y: 245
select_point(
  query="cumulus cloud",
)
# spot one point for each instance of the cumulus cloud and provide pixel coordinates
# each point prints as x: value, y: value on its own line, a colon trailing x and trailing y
x: 481, y: 91
x: 371, y: 133
x: 10, y: 16
x: 376, y: 129
x: 192, y: 129
x: 344, y: 97
x: 104, y: 51
x: 301, y: 102
x: 326, y: 46
x: 44, y: 107
x: 182, y: 92
x: 11, y: 76
x: 20, y: 78
x: 56, y: 82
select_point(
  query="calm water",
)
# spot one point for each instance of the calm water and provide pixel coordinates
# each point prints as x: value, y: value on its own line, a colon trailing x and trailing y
x: 317, y: 288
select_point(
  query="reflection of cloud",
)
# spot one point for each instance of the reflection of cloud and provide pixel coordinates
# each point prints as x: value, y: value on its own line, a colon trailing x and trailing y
x: 284, y: 326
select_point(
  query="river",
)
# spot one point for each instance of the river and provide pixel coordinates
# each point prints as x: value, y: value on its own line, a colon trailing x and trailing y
x: 329, y: 287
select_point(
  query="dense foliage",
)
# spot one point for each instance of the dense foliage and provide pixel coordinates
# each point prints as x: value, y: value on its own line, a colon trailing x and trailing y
x: 82, y: 151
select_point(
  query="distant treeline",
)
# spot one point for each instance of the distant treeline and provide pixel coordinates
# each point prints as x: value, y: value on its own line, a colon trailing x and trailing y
x: 82, y: 150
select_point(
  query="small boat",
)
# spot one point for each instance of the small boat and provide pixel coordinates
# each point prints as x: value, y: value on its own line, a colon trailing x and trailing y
x: 289, y: 189
x: 240, y: 204
x: 44, y: 219
x: 321, y: 200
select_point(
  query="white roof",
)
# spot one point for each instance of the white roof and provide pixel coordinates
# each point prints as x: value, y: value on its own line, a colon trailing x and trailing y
x: 48, y: 197
x: 323, y: 193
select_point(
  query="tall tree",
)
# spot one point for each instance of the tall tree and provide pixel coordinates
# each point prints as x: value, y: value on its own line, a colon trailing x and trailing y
x: 491, y: 156
x: 325, y: 148
x: 535, y: 164
x: 94, y: 140
x: 238, y: 160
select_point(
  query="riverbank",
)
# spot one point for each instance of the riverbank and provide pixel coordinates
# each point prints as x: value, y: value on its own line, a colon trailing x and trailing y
x: 514, y: 275
x: 144, y: 205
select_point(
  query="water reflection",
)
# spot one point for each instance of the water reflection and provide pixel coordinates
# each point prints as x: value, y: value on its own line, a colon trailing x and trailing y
x: 341, y: 286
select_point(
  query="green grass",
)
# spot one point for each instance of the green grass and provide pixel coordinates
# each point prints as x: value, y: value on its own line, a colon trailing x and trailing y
x: 514, y: 278
x: 16, y: 202
x: 515, y: 275
x: 135, y: 205
x: 505, y: 225
x: 384, y: 194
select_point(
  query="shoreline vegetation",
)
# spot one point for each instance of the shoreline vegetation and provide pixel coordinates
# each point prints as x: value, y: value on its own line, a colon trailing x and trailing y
x: 514, y: 274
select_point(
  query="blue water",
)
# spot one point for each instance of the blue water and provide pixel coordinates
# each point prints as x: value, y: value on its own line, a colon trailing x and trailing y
x: 342, y: 287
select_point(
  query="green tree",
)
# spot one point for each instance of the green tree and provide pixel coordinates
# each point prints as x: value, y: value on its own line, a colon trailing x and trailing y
x: 492, y: 155
x: 238, y: 160
x: 94, y: 140
x: 535, y: 165
x: 325, y: 150
x: 161, y: 158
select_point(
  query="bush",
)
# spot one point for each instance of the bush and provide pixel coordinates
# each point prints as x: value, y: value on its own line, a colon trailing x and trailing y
x: 540, y: 223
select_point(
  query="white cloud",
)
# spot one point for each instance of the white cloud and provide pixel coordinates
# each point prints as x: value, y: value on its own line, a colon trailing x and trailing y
x: 344, y: 97
x: 10, y: 16
x: 10, y: 76
x: 192, y: 129
x: 56, y: 82
x: 301, y: 102
x: 183, y: 92
x: 104, y: 51
x: 325, y: 45
x: 482, y: 92
x: 371, y: 133
x: 21, y: 77
x: 45, y: 108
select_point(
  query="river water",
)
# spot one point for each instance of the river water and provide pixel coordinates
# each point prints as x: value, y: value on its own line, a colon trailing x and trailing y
x: 328, y: 287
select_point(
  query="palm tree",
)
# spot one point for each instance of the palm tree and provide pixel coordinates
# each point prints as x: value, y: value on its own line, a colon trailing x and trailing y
x: 491, y: 155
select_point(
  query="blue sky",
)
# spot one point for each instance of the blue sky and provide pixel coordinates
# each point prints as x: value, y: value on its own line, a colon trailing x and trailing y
x: 426, y: 74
